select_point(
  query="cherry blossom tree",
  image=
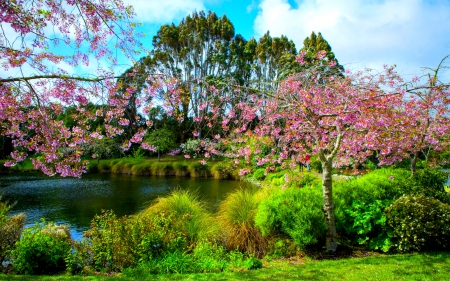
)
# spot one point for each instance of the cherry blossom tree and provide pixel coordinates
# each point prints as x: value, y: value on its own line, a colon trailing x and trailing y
x: 39, y: 42
x: 426, y: 119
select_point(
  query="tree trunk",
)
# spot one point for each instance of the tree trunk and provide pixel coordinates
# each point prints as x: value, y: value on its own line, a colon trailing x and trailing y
x: 414, y: 163
x: 159, y: 156
x: 328, y: 206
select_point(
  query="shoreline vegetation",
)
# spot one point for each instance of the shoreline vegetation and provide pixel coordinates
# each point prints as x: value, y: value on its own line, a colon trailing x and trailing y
x: 169, y: 166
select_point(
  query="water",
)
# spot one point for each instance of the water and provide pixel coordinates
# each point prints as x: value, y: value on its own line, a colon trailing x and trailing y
x: 75, y: 201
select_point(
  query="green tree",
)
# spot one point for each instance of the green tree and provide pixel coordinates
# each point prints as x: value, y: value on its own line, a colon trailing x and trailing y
x: 162, y: 139
x: 274, y: 60
x: 313, y: 46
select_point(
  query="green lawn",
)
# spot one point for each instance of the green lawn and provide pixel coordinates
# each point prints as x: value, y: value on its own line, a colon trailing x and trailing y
x: 383, y: 267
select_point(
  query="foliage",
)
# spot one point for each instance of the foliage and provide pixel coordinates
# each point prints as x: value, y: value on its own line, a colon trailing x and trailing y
x: 195, y: 222
x: 236, y: 218
x: 42, y: 249
x: 360, y: 205
x: 259, y: 174
x: 113, y: 244
x: 10, y: 231
x: 223, y: 170
x: 204, y: 258
x: 313, y: 48
x: 430, y: 182
x: 369, y: 224
x: 252, y: 263
x: 163, y: 140
x: 191, y: 147
x: 419, y: 223
x: 294, y: 212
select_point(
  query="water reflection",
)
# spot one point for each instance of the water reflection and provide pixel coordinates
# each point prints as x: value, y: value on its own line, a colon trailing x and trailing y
x: 75, y: 201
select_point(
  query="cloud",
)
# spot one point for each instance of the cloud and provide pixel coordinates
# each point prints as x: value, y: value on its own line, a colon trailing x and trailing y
x: 164, y: 11
x: 408, y: 33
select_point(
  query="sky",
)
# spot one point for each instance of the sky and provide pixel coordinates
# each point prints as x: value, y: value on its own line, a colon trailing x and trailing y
x: 411, y: 34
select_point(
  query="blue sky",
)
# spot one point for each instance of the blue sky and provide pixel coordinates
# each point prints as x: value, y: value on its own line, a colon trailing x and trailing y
x: 409, y: 33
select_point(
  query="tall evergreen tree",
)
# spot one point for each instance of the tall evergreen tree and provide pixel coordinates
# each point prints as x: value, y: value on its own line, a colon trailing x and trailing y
x: 313, y: 48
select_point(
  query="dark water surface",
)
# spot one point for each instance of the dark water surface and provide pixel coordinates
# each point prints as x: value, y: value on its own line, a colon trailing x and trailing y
x: 75, y: 201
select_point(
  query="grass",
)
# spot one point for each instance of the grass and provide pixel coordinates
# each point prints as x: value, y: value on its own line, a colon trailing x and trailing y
x: 431, y: 266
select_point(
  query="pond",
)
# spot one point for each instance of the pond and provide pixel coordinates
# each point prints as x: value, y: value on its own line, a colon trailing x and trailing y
x: 75, y: 201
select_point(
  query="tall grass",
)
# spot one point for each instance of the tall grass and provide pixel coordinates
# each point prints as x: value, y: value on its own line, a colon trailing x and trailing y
x: 236, y: 218
x: 196, y: 170
x: 185, y: 206
x: 162, y: 169
x: 222, y: 171
x: 181, y: 169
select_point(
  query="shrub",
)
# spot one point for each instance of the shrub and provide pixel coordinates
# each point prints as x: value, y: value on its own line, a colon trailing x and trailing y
x: 360, y: 205
x: 369, y: 224
x: 419, y: 223
x: 236, y: 218
x: 252, y: 263
x: 295, y: 212
x: 107, y: 245
x: 430, y: 182
x: 205, y: 257
x: 42, y: 249
x: 259, y: 174
x: 113, y: 244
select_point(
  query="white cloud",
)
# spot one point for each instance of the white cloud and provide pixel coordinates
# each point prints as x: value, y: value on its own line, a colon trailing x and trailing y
x: 408, y: 33
x: 164, y: 11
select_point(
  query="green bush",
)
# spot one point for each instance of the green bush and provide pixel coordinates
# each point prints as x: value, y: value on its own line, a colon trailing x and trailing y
x: 430, y: 182
x: 42, y: 249
x: 113, y: 244
x: 295, y: 212
x: 252, y: 263
x: 259, y: 174
x: 419, y: 223
x: 369, y: 224
x: 360, y: 204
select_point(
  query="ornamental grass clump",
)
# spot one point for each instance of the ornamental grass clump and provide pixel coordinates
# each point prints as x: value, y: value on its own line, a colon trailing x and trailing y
x: 196, y: 221
x: 10, y: 231
x: 236, y: 218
